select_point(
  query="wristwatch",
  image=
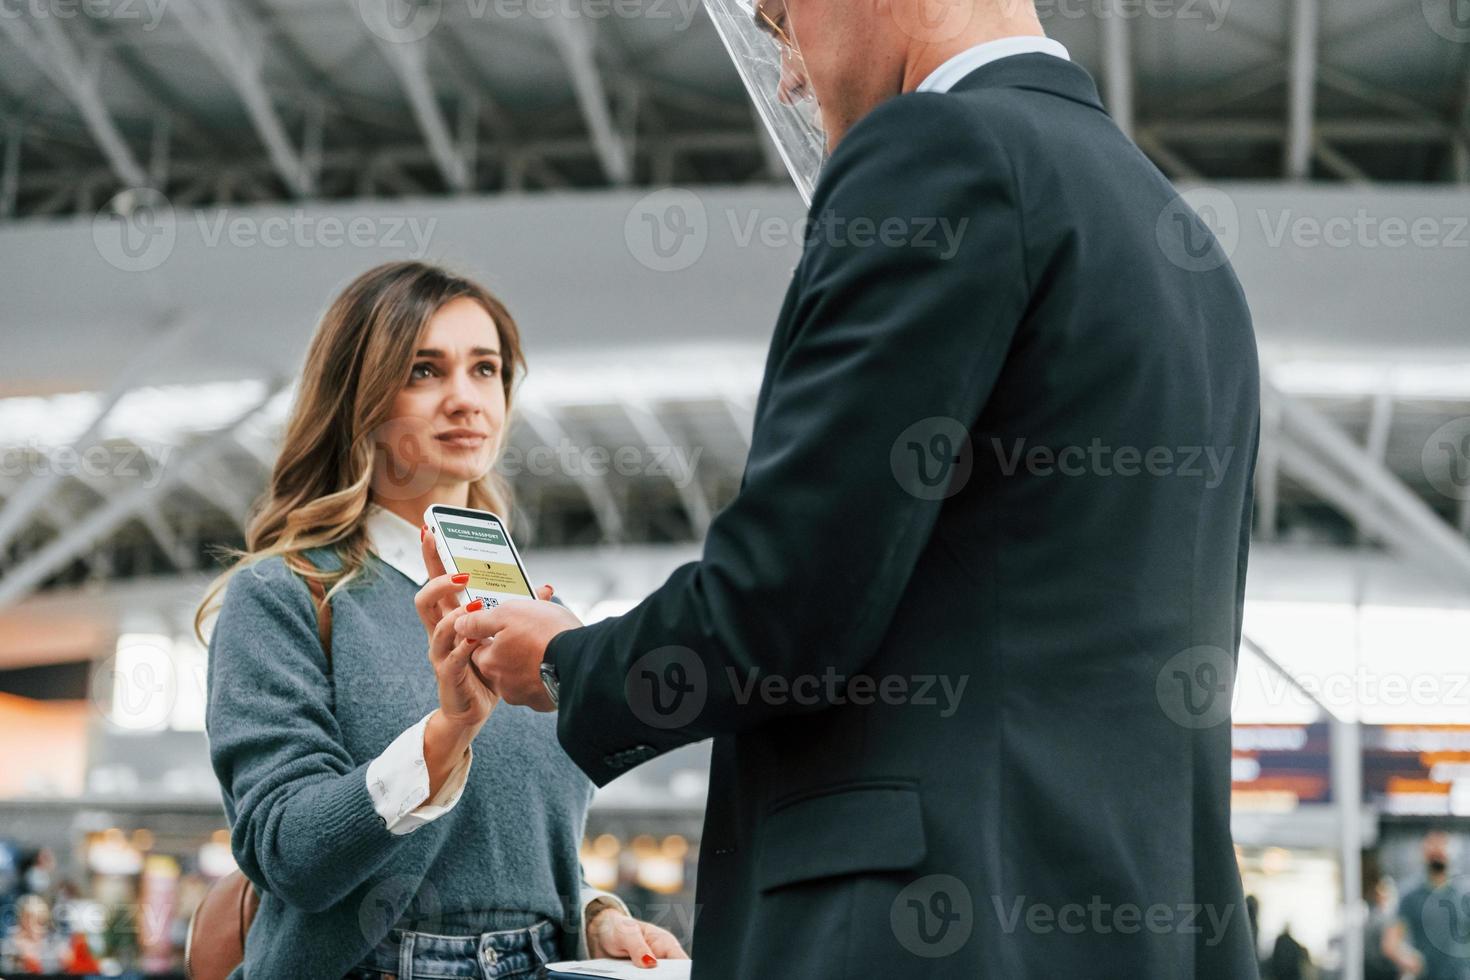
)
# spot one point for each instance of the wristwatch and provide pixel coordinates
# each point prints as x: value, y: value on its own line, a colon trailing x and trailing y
x: 551, y: 682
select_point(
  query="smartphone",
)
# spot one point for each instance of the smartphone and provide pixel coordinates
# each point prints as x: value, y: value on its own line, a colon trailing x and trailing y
x: 476, y: 542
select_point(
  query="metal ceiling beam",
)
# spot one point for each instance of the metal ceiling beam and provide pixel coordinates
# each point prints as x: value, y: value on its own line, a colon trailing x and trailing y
x: 742, y: 416
x: 1328, y: 484
x: 408, y: 59
x: 10, y: 174
x: 1302, y: 97
x: 390, y: 174
x: 276, y: 30
x: 18, y: 508
x: 1170, y: 162
x: 1272, y: 663
x: 238, y: 57
x: 260, y: 449
x: 574, y: 41
x: 1339, y: 164
x: 1373, y: 95
x: 501, y: 125
x: 222, y: 494
x: 135, y: 60
x: 654, y: 433
x: 1118, y: 65
x: 599, y: 494
x: 1269, y: 130
x: 1268, y: 471
x: 65, y: 548
x: 396, y: 37
x: 1320, y: 456
x: 1389, y: 17
x: 164, y: 536
x: 531, y: 153
x: 682, y: 97
x: 1460, y: 120
x: 43, y: 39
x: 1380, y: 425
x: 1221, y: 95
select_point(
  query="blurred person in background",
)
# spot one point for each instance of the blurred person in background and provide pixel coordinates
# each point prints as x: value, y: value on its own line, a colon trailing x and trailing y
x: 1430, y: 938
x: 32, y: 946
x: 1253, y: 918
x: 392, y: 814
x: 1381, y: 914
x: 9, y: 880
x: 40, y: 876
x: 1289, y: 958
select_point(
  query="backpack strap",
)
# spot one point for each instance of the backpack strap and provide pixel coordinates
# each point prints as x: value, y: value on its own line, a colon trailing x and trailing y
x: 323, y: 617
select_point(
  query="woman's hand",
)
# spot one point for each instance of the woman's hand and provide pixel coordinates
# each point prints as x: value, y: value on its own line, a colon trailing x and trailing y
x: 465, y: 701
x: 612, y: 934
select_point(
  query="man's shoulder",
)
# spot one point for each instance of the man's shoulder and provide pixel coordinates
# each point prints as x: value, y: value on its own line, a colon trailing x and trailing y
x: 936, y: 116
x: 907, y: 143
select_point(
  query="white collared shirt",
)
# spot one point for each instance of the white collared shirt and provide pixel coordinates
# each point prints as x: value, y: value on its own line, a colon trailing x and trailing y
x: 398, y: 779
x: 944, y: 78
x: 396, y: 541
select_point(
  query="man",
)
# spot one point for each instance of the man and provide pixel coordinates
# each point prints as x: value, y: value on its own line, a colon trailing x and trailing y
x: 965, y: 637
x: 1430, y: 940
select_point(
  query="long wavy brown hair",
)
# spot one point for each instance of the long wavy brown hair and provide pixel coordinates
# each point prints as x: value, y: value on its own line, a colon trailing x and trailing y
x: 335, y: 439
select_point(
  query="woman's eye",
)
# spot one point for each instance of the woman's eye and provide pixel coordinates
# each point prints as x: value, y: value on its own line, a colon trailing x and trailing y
x: 490, y: 367
x: 420, y: 371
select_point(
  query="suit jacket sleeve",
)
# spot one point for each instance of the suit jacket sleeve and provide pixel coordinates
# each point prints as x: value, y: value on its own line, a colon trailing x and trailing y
x: 911, y: 286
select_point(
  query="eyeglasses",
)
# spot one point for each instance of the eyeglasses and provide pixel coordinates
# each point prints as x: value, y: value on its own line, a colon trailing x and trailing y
x: 773, y: 28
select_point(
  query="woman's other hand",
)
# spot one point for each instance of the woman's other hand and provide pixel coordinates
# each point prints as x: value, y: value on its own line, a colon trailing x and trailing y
x: 465, y: 701
x: 612, y: 934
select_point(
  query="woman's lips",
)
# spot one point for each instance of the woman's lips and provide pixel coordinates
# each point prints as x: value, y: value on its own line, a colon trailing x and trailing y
x: 462, y: 442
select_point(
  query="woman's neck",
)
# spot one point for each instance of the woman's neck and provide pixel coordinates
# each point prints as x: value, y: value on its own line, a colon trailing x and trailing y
x: 412, y: 509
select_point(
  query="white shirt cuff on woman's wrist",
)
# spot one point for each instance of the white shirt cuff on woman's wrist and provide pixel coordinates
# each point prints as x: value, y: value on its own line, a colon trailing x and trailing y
x: 590, y: 895
x: 398, y: 782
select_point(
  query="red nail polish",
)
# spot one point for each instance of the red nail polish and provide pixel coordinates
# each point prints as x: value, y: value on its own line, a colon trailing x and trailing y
x: 460, y: 579
x: 648, y: 960
x: 475, y: 606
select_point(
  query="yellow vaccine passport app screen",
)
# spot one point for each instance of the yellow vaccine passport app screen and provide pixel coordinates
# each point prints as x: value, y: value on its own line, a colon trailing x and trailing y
x: 480, y: 549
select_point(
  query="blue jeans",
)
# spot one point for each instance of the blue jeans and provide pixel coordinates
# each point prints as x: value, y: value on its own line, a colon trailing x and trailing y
x: 508, y: 954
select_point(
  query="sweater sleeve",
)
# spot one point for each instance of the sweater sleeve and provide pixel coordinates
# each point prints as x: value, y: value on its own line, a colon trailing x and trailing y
x: 303, y: 824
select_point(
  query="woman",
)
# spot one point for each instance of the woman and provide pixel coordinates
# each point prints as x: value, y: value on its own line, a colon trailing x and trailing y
x: 396, y: 819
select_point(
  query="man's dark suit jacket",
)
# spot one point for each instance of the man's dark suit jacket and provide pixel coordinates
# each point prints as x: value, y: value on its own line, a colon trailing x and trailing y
x: 1070, y: 369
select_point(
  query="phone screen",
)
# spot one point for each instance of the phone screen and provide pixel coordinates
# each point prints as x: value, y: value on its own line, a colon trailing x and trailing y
x: 480, y: 546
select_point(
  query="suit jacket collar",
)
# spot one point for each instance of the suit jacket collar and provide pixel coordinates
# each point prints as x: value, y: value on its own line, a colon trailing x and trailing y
x: 1037, y: 72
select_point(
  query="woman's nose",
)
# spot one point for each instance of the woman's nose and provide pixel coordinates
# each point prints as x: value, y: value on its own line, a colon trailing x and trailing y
x: 463, y: 395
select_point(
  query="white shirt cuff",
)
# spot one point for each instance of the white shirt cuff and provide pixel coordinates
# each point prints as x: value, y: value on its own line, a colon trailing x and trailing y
x: 590, y: 895
x: 398, y: 782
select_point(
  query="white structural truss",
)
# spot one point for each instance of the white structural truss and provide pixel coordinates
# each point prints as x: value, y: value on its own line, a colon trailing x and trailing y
x: 258, y: 100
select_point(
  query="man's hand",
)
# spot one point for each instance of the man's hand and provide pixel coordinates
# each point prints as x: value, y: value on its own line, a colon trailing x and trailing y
x: 513, y: 638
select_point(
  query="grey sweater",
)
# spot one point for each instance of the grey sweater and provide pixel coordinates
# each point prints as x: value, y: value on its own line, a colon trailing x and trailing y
x: 291, y: 747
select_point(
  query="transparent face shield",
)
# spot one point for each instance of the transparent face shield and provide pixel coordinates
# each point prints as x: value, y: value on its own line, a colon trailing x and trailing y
x: 769, y: 63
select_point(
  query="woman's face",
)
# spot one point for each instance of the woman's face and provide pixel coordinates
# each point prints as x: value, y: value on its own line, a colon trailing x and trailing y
x: 453, y: 401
